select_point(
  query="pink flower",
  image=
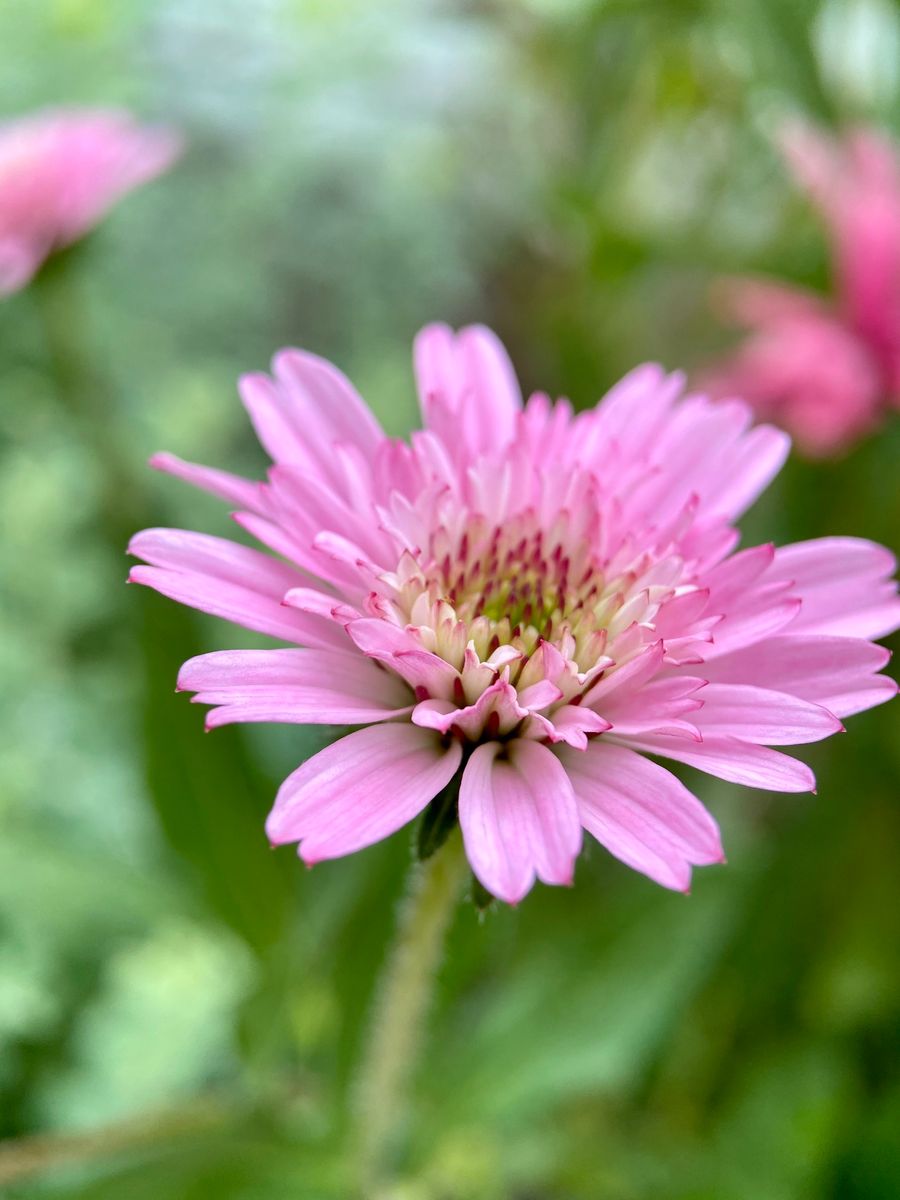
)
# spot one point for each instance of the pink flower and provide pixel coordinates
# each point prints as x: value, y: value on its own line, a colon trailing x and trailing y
x: 60, y: 171
x: 826, y: 371
x: 528, y: 599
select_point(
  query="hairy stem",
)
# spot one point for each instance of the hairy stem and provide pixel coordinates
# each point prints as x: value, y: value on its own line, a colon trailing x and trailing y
x: 401, y: 1008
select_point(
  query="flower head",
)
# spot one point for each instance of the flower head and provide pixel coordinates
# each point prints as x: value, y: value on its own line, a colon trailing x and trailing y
x: 528, y: 602
x: 826, y: 370
x: 60, y: 171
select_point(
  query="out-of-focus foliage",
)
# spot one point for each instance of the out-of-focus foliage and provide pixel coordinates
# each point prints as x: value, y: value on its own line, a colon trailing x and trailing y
x: 574, y: 172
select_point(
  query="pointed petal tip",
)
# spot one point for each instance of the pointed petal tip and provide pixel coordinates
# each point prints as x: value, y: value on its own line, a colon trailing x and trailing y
x: 292, y: 358
x: 251, y: 379
x: 272, y: 836
x: 512, y: 898
x: 441, y: 328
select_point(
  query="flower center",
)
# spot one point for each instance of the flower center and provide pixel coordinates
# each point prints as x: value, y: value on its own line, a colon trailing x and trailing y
x: 512, y: 585
x: 511, y: 578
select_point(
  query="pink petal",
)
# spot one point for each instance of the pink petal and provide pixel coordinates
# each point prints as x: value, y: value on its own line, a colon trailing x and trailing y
x: 730, y: 758
x: 751, y: 301
x: 657, y: 707
x: 855, y: 183
x: 705, y: 450
x: 629, y: 677
x: 275, y: 425
x: 468, y: 389
x: 641, y: 813
x: 241, y: 605
x: 436, y: 714
x: 231, y: 488
x: 305, y: 410
x: 296, y: 706
x: 434, y: 364
x: 183, y: 550
x: 845, y: 586
x: 317, y: 687
x: 287, y: 542
x: 753, y: 623
x: 497, y: 701
x: 824, y: 562
x: 323, y: 396
x: 18, y: 263
x: 323, y: 604
x: 632, y: 413
x: 835, y: 672
x: 227, y: 580
x: 61, y: 171
x: 310, y: 504
x: 760, y: 715
x: 804, y: 367
x: 490, y: 374
x: 571, y: 724
x: 361, y: 789
x: 539, y: 695
x: 402, y: 651
x: 755, y: 463
x: 340, y: 549
x: 728, y: 581
x: 518, y: 817
x: 678, y: 617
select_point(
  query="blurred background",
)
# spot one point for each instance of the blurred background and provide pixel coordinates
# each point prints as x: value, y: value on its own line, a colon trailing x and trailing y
x: 180, y: 1008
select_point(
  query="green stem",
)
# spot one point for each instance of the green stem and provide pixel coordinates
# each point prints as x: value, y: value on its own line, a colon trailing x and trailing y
x: 39, y: 1154
x: 401, y: 1008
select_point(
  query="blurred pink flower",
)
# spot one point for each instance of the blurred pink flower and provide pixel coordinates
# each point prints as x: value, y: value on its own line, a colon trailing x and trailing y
x: 532, y: 599
x: 824, y: 370
x: 60, y: 171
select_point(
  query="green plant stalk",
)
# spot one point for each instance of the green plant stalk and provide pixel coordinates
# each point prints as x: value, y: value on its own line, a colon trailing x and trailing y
x: 401, y: 1008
